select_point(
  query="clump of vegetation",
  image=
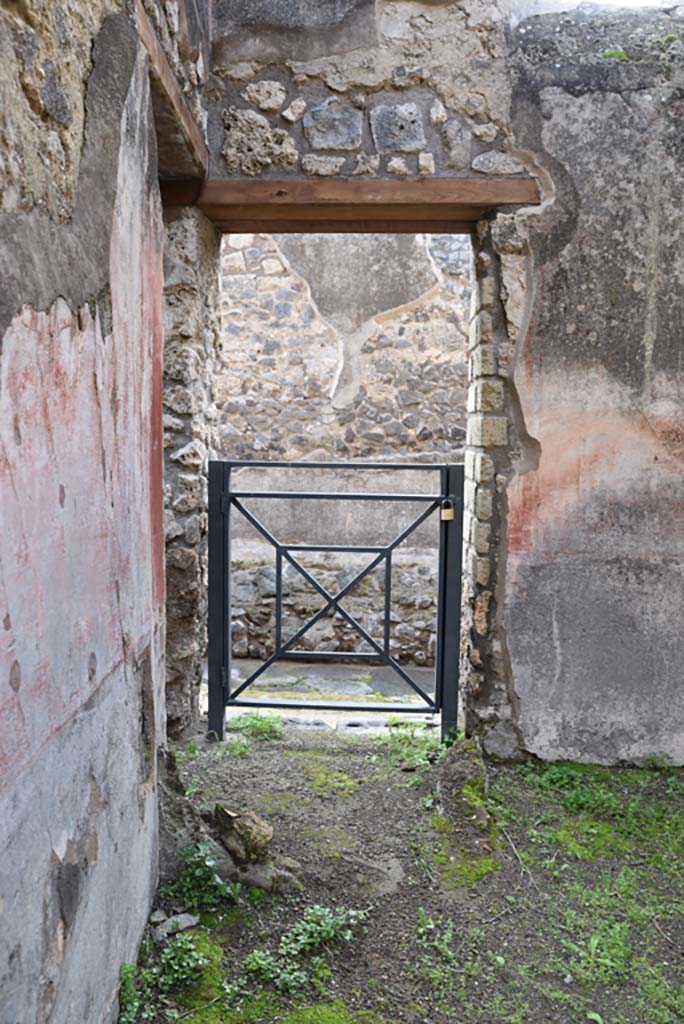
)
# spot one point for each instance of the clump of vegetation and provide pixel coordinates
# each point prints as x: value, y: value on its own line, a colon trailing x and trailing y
x: 413, y: 747
x: 257, y: 726
x: 616, y: 54
x: 437, y: 957
x: 187, y: 978
x: 603, y: 813
x: 191, y: 750
x: 293, y: 966
x: 143, y: 989
x: 199, y: 888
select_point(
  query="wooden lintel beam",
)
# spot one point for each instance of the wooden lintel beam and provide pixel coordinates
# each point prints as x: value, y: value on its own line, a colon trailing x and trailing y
x: 480, y: 193
x: 183, y: 123
x: 408, y: 205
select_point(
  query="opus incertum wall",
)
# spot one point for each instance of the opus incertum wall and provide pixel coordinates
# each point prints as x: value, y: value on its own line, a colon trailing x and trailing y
x: 574, y: 543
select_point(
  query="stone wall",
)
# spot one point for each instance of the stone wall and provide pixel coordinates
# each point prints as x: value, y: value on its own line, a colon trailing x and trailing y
x: 574, y: 546
x: 348, y: 345
x: 191, y: 304
x: 358, y: 89
x: 412, y: 619
x: 81, y: 549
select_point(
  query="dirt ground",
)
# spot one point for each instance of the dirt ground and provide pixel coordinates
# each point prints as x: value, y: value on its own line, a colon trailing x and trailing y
x: 493, y: 895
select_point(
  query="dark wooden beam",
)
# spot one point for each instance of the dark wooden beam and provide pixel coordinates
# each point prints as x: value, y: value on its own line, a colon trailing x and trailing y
x: 182, y: 153
x: 482, y: 193
x: 383, y: 205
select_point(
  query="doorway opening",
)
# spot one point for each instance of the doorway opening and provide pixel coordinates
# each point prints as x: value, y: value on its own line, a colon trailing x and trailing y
x: 336, y: 350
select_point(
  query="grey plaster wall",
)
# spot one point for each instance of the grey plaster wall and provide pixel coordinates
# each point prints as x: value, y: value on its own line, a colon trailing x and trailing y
x: 595, y: 575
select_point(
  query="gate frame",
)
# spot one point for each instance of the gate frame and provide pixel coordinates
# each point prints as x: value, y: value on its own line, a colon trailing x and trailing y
x: 447, y: 652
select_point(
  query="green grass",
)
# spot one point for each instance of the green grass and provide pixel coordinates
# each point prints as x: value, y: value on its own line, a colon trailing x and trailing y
x: 257, y: 726
x: 413, y: 746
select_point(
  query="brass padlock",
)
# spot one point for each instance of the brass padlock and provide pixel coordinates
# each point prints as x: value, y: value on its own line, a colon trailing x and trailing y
x: 447, y: 513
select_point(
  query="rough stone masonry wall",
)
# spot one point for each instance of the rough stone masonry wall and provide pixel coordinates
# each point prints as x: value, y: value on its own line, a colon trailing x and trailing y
x: 382, y: 95
x: 311, y: 362
x: 191, y: 316
x: 575, y: 546
x: 81, y: 546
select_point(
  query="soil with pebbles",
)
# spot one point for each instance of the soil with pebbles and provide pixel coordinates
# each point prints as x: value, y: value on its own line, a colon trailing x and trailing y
x: 467, y: 919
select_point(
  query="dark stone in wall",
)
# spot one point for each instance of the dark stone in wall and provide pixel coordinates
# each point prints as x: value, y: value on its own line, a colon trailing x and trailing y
x: 297, y: 29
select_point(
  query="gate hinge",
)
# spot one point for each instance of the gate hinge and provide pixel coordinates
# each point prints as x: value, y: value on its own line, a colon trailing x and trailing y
x: 225, y: 503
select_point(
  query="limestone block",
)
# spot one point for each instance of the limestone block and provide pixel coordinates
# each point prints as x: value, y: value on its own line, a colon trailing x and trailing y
x: 174, y: 925
x: 486, y: 396
x: 495, y: 162
x: 479, y: 536
x: 366, y: 164
x: 514, y: 290
x: 265, y: 95
x: 397, y: 165
x: 295, y: 111
x: 485, y: 293
x: 334, y: 124
x: 481, y: 615
x: 481, y: 325
x: 483, y: 361
x: 483, y: 504
x: 438, y: 114
x: 251, y: 145
x: 484, y: 468
x: 323, y: 166
x: 486, y: 132
x: 245, y: 836
x: 192, y: 454
x: 426, y: 163
x: 240, y: 241
x: 506, y: 236
x: 397, y: 128
x: 233, y: 263
x: 459, y: 142
x: 486, y: 431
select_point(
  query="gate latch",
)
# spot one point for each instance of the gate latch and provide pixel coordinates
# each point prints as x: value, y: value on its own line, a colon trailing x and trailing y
x: 447, y: 513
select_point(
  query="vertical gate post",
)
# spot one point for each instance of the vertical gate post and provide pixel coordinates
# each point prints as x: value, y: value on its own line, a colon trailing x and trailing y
x: 451, y: 561
x: 219, y: 639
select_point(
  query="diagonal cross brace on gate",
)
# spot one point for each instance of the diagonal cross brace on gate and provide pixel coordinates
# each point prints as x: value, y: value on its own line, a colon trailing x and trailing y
x: 222, y: 499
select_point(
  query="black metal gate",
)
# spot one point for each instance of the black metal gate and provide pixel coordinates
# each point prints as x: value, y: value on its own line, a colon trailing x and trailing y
x: 225, y: 500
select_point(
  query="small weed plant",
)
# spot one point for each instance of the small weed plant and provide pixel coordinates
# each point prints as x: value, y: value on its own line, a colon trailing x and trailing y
x: 144, y: 988
x: 199, y: 888
x: 259, y: 727
x: 297, y: 962
x: 413, y: 747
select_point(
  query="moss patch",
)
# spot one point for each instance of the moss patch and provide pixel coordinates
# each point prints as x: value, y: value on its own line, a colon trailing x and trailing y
x: 208, y: 988
x: 457, y: 865
x: 324, y: 777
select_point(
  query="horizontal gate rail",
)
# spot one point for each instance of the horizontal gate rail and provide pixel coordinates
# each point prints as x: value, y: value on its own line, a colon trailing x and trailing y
x: 223, y: 498
x: 336, y: 496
